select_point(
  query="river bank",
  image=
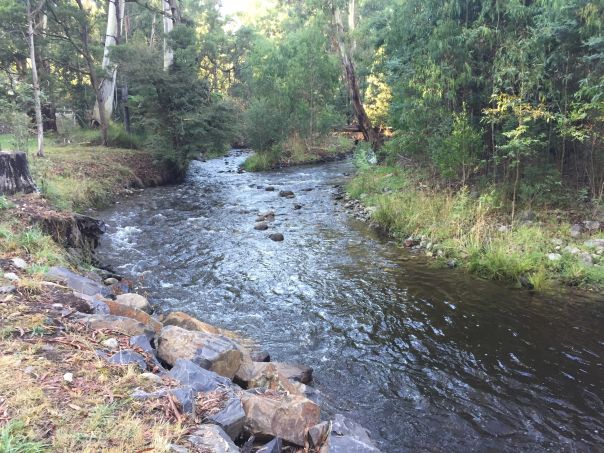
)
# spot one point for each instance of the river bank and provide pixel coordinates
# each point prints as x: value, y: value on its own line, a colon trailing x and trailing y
x: 294, y: 151
x: 84, y: 365
x: 541, y: 249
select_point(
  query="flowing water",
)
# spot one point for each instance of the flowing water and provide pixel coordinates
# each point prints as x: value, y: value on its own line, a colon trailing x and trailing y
x: 426, y: 359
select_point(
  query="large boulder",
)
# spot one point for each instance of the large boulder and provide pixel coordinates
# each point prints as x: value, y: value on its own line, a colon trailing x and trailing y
x: 348, y: 437
x: 277, y: 414
x: 122, y: 324
x: 213, y: 352
x: 135, y: 301
x: 270, y: 377
x: 180, y: 319
x: 212, y: 438
x: 117, y: 309
x: 273, y: 375
x: 202, y: 380
x: 76, y: 282
x: 230, y: 418
x: 274, y: 446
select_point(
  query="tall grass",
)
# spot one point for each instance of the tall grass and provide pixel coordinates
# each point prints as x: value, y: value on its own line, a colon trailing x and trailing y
x: 468, y: 229
x: 29, y: 242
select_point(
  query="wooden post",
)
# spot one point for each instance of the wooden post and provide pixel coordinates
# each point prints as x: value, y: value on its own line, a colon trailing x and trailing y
x: 14, y: 173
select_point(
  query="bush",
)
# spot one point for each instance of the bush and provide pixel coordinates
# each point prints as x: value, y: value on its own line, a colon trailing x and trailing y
x: 265, y: 126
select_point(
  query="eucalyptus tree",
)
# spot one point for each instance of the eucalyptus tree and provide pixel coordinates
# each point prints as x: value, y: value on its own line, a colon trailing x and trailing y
x: 115, y: 24
x: 34, y: 77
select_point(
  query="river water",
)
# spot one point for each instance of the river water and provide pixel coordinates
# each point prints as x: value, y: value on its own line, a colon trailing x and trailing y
x: 426, y: 359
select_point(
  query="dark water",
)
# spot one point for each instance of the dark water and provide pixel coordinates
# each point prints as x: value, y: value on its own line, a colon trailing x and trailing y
x: 426, y: 359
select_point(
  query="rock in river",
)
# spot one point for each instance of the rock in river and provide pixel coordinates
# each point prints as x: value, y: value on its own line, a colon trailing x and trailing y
x: 261, y: 226
x: 134, y: 301
x: 286, y: 194
x: 213, y: 352
x: 267, y: 216
x: 277, y: 237
x: 277, y: 414
x: 348, y: 437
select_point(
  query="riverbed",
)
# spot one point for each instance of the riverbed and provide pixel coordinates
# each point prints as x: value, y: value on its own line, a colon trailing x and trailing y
x: 427, y: 359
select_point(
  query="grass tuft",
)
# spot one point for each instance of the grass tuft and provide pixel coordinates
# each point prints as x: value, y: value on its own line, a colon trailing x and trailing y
x: 14, y: 438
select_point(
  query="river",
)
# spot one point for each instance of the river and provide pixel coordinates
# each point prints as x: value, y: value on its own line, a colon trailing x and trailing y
x: 427, y: 359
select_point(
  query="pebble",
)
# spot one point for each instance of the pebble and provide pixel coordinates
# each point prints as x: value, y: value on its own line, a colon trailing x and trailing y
x: 68, y: 377
x: 151, y: 377
x: 110, y: 281
x: 110, y: 343
x: 11, y: 276
x: 554, y: 256
x: 19, y: 263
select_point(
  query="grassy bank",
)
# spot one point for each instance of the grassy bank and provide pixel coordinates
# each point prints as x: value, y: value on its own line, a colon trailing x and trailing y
x: 295, y: 151
x: 474, y: 231
x: 56, y: 393
x: 70, y: 178
x: 76, y: 177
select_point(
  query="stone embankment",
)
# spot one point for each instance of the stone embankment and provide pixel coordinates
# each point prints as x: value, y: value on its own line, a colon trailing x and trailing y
x: 240, y: 400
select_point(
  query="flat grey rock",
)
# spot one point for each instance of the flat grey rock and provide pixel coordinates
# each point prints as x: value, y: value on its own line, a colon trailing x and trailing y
x: 76, y: 282
x: 202, y: 380
x: 128, y: 357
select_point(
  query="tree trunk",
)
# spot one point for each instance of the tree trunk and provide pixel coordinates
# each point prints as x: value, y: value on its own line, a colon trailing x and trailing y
x: 14, y: 174
x: 126, y: 109
x: 85, y: 52
x: 369, y: 133
x: 35, y: 82
x: 115, y: 15
x: 352, y: 26
x: 168, y: 27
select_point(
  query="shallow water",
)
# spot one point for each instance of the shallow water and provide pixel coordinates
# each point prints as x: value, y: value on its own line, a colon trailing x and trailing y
x: 426, y: 359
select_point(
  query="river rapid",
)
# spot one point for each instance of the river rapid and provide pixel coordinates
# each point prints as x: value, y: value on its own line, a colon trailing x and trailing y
x: 426, y: 359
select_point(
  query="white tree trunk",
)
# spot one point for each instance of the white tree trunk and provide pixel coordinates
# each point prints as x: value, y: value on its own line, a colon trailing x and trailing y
x: 168, y: 27
x: 35, y: 81
x: 115, y: 22
x: 351, y: 26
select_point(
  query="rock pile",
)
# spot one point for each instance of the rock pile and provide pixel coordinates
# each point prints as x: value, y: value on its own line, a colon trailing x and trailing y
x: 237, y: 402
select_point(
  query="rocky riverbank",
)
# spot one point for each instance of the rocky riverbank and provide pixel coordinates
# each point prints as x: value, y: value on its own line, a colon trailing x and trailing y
x: 86, y: 365
x: 224, y: 393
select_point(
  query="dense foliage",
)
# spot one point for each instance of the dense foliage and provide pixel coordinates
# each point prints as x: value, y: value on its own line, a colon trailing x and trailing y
x: 178, y: 110
x: 499, y: 92
x: 510, y: 91
x: 506, y: 93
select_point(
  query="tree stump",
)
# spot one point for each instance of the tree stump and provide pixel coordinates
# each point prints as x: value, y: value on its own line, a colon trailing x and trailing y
x: 14, y: 173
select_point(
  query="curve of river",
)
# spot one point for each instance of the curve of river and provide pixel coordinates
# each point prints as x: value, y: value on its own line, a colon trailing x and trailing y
x: 426, y: 359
